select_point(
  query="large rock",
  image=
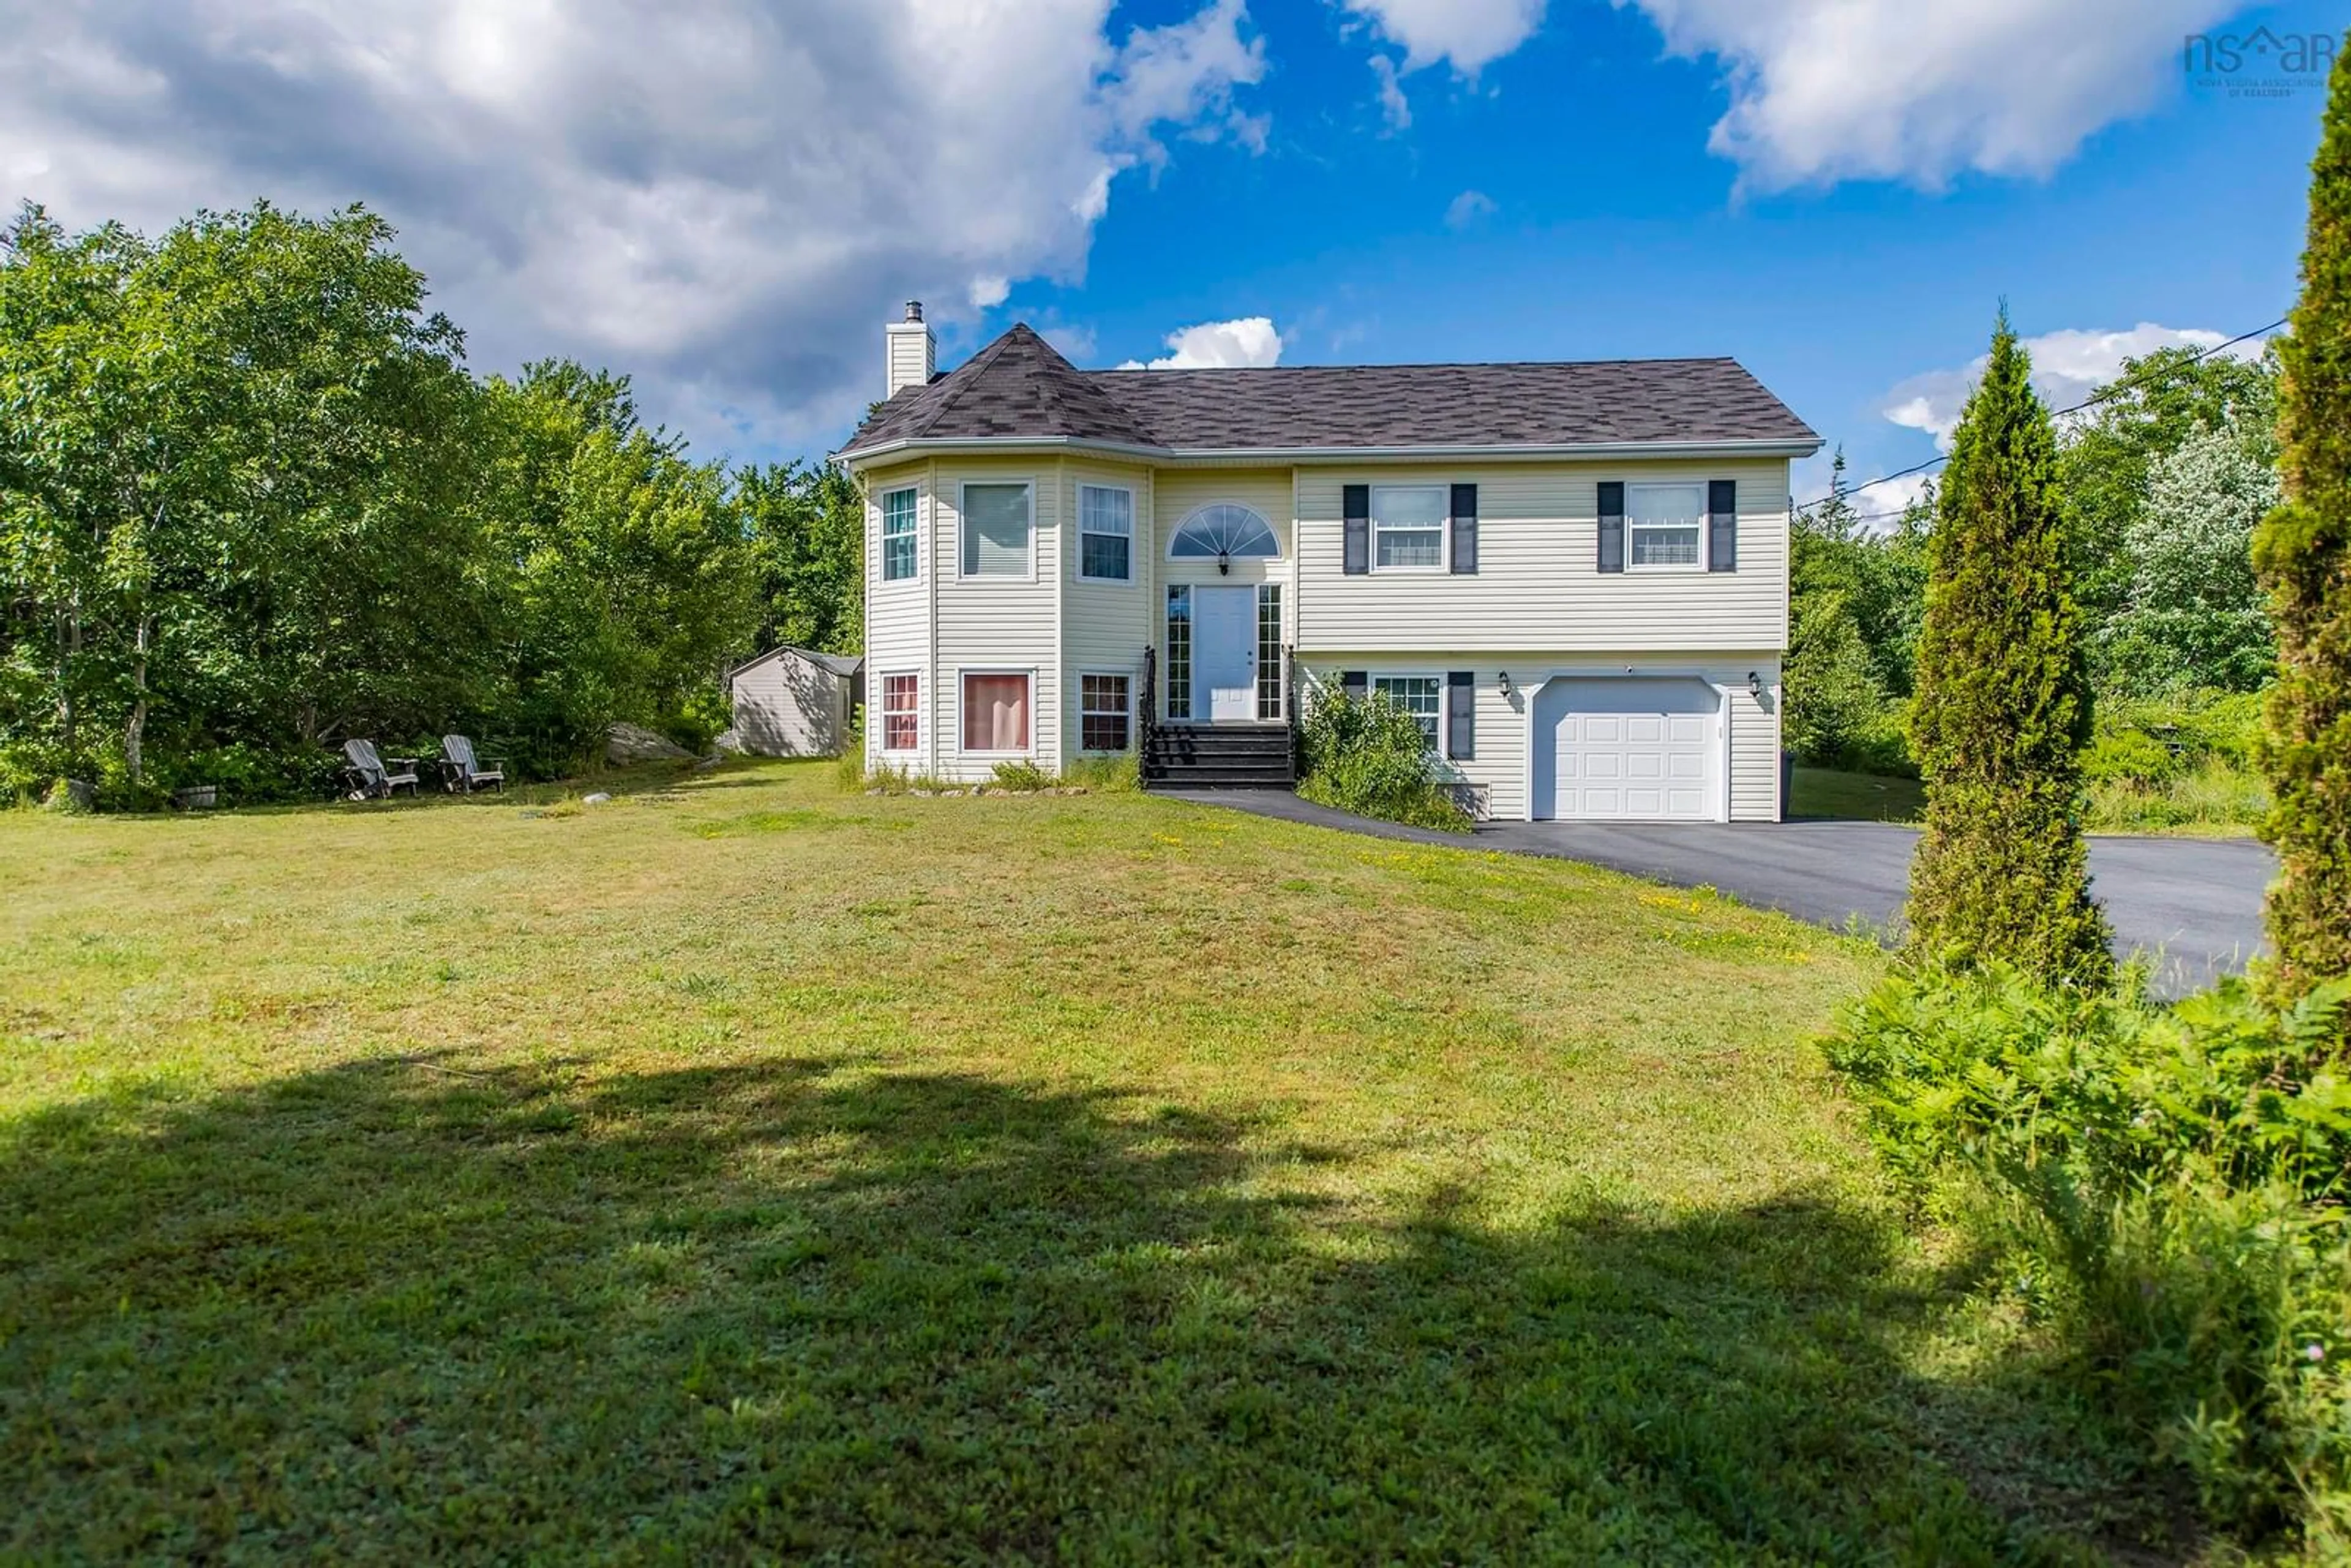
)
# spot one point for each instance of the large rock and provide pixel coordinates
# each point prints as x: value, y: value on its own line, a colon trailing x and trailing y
x: 627, y: 743
x: 72, y: 795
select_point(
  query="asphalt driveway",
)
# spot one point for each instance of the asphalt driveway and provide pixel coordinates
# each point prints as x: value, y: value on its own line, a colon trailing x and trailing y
x: 2194, y: 905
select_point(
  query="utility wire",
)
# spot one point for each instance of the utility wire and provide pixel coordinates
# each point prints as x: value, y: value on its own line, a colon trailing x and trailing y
x: 2105, y: 395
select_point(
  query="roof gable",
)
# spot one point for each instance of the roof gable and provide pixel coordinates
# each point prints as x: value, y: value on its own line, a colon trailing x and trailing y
x: 1017, y: 388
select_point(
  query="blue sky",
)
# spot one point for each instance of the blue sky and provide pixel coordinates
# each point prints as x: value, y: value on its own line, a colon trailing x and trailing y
x: 730, y: 201
x: 1614, y: 231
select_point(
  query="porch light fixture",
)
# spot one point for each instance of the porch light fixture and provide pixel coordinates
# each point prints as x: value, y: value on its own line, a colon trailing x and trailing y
x: 1755, y: 685
x: 1506, y: 683
x: 1224, y: 563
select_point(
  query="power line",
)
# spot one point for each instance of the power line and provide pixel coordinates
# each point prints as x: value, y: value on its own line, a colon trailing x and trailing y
x: 2104, y: 395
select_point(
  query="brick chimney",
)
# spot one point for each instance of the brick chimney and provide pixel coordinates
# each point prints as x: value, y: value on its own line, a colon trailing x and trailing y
x: 914, y: 352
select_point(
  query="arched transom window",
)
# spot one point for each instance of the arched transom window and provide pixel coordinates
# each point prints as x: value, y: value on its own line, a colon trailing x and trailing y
x: 1224, y: 529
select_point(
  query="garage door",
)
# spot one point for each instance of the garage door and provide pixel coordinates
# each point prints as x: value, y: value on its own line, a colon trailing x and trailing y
x: 1628, y: 751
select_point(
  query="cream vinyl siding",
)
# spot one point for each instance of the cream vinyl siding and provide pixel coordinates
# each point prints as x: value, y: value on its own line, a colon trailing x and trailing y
x: 1537, y: 584
x: 1105, y: 626
x: 996, y: 623
x: 1500, y: 768
x: 897, y: 614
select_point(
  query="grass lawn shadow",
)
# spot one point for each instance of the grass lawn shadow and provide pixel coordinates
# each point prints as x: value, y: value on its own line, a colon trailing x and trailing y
x: 816, y: 1309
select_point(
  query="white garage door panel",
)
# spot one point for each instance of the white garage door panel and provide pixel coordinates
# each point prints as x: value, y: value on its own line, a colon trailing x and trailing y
x: 1628, y: 748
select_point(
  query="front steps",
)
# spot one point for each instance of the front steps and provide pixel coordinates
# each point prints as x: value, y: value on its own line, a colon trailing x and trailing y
x: 1218, y: 756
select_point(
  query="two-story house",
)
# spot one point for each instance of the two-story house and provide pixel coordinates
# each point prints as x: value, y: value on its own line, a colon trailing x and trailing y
x: 1575, y: 575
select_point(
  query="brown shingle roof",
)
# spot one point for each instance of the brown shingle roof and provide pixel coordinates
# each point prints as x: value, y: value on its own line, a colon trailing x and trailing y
x: 1018, y: 387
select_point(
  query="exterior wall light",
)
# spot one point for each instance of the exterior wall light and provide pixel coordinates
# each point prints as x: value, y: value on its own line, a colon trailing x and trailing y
x: 1506, y: 683
x: 1224, y: 563
x: 1755, y: 685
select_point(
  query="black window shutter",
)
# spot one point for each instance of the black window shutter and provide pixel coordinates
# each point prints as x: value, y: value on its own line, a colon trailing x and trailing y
x: 1465, y: 529
x: 1722, y: 525
x: 1612, y: 525
x: 1355, y: 683
x: 1461, y: 715
x: 1359, y: 528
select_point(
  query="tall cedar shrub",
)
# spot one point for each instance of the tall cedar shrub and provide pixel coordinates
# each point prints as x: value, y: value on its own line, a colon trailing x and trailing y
x: 2303, y: 551
x: 2004, y: 704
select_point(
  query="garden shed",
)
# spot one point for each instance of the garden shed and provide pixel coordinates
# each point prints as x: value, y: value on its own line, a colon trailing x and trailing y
x: 794, y: 702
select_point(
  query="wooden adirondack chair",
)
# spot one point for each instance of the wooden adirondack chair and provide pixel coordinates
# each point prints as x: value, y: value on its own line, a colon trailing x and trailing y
x: 368, y: 776
x: 463, y: 774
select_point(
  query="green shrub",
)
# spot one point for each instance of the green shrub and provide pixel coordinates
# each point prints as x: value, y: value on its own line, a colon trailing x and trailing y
x: 848, y: 767
x: 1022, y: 775
x: 1369, y: 756
x: 28, y: 768
x: 2214, y: 798
x: 2182, y: 761
x: 252, y: 776
x: 1107, y: 774
x: 2127, y: 756
x: 2166, y: 1184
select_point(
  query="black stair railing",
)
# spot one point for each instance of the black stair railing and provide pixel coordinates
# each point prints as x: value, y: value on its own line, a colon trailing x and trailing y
x: 1147, y: 710
x: 1290, y: 710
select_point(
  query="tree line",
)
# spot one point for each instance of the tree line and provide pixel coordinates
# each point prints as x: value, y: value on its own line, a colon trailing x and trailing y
x: 2157, y: 485
x: 253, y: 502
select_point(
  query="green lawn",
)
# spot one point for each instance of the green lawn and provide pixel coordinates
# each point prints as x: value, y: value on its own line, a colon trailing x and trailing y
x: 740, y: 1169
x: 1855, y: 797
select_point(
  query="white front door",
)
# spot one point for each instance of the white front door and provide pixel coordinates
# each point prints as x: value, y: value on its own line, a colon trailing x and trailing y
x: 1224, y: 652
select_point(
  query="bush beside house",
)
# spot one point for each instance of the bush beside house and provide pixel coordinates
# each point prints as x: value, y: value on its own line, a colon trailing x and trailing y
x: 1367, y: 756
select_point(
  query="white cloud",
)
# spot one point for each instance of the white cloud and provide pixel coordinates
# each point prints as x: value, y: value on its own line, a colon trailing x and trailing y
x: 1881, y: 502
x: 726, y: 200
x: 1824, y: 90
x: 1394, y: 107
x: 1247, y: 341
x: 1467, y: 208
x: 1469, y: 33
x: 1076, y: 343
x: 2067, y: 366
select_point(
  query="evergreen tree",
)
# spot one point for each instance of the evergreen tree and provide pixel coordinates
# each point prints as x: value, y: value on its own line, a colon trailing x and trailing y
x: 2004, y: 703
x: 2303, y: 551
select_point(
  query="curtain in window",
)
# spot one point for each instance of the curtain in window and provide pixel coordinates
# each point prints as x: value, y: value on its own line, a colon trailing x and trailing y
x: 995, y: 530
x: 996, y: 713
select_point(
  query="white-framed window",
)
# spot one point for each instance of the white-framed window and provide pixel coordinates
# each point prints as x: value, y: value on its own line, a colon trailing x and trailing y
x: 1224, y: 530
x: 1179, y: 651
x: 1105, y: 534
x: 1105, y: 706
x: 1423, y: 696
x: 901, y: 557
x: 999, y: 535
x: 901, y: 707
x: 997, y: 710
x: 1665, y: 527
x: 1408, y: 527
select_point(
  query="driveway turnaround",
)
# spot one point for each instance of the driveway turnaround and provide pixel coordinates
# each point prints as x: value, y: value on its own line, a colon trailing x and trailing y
x: 2193, y: 907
